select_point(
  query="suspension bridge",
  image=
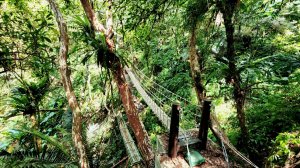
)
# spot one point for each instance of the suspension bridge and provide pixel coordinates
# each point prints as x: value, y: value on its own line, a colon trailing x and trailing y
x: 185, y: 138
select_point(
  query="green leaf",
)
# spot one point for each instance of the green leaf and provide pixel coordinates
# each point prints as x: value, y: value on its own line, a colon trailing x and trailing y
x: 49, y: 139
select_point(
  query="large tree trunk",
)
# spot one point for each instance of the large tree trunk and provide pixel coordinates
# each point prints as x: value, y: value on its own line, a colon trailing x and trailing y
x: 119, y: 77
x: 233, y: 76
x: 66, y: 80
x: 131, y: 111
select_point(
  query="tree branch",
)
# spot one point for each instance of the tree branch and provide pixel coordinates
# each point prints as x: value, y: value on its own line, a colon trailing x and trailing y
x: 109, y: 20
x: 92, y: 17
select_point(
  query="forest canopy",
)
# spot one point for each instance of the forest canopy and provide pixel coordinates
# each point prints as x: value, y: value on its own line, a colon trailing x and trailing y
x: 67, y: 91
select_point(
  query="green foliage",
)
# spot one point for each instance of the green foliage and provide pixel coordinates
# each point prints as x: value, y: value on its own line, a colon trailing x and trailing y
x: 195, y: 12
x: 47, y: 138
x: 151, y: 123
x: 50, y: 159
x: 26, y: 38
x: 152, y: 36
x: 88, y: 36
x: 286, y: 146
x: 19, y: 154
x: 273, y: 111
x: 26, y: 98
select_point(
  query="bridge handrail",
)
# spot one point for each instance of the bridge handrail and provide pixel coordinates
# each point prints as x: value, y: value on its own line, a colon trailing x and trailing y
x: 165, y: 119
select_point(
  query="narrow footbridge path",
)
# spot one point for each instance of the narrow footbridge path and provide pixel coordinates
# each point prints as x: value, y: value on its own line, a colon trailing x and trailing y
x: 149, y: 98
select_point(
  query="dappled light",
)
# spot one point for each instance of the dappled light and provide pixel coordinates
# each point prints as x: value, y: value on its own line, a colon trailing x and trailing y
x: 149, y: 83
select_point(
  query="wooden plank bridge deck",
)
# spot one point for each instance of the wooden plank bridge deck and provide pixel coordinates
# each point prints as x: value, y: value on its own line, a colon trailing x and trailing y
x: 186, y: 138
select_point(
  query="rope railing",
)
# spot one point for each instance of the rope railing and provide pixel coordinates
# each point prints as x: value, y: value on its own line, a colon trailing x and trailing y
x: 160, y: 86
x: 161, y: 115
x: 225, y: 154
x: 167, y: 95
x: 239, y: 154
x: 165, y: 119
x: 152, y: 89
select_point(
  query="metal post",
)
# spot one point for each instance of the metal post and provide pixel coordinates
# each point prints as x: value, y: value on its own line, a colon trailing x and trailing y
x: 203, y: 130
x: 174, y: 129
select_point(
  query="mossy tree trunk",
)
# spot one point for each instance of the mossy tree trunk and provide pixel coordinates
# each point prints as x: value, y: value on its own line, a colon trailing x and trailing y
x: 195, y: 62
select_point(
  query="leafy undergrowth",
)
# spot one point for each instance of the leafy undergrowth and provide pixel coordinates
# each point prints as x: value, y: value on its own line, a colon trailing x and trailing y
x: 286, y: 151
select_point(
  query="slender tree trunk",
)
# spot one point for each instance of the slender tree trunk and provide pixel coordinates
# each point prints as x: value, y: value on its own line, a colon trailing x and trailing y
x: 239, y: 97
x: 66, y: 80
x: 119, y: 77
x: 195, y: 60
x: 35, y: 125
x: 233, y: 76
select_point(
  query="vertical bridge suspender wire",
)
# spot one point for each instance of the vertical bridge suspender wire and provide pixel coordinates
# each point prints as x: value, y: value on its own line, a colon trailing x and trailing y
x: 165, y: 89
x: 154, y: 107
x: 162, y: 116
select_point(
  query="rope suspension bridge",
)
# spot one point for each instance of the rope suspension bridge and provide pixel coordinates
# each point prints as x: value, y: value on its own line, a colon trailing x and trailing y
x: 151, y: 95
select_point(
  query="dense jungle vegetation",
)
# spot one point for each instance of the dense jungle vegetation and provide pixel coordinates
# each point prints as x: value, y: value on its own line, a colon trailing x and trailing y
x: 63, y: 79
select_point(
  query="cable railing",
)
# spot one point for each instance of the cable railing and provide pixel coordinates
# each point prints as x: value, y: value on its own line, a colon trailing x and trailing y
x: 163, y: 117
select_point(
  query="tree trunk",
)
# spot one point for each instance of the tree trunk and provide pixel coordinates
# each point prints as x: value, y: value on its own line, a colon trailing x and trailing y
x: 119, y: 77
x: 66, y: 80
x: 233, y: 76
x: 131, y: 111
x: 35, y: 125
x: 195, y: 60
x: 239, y: 97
